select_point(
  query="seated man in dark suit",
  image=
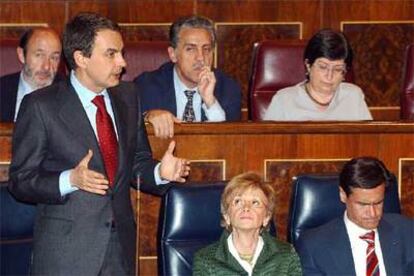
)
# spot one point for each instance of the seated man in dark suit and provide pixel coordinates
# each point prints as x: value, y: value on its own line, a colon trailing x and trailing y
x: 39, y: 51
x: 364, y: 241
x: 188, y: 88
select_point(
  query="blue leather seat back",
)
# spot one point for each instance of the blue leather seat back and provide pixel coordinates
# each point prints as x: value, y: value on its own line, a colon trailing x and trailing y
x: 315, y: 201
x: 189, y: 220
x: 16, y: 230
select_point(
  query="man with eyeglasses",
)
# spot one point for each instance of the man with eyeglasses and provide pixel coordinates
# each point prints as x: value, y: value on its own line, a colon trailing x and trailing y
x: 322, y: 95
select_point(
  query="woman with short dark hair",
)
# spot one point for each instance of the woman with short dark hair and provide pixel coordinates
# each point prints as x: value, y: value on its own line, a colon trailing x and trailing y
x: 323, y: 95
x: 245, y: 247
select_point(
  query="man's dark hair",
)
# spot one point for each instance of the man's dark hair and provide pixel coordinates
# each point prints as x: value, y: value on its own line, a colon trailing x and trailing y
x: 363, y: 172
x: 193, y: 21
x: 328, y: 44
x: 80, y: 33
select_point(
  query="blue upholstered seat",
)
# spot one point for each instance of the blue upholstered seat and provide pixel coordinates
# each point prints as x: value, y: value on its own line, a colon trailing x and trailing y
x: 16, y: 228
x: 189, y: 220
x: 315, y: 201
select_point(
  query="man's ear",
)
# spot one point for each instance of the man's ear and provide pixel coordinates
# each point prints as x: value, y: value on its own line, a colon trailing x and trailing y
x: 171, y: 54
x: 342, y: 195
x: 20, y: 55
x: 80, y: 60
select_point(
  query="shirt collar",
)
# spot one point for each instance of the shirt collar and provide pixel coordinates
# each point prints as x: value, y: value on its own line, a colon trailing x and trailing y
x: 353, y: 229
x: 179, y: 85
x: 85, y: 95
x: 24, y: 85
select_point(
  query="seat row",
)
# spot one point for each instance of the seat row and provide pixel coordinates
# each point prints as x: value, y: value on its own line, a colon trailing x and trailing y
x: 189, y: 220
x: 275, y: 65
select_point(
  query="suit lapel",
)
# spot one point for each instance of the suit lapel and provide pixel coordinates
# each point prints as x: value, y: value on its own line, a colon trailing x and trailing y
x: 389, y: 244
x: 340, y: 250
x: 73, y: 116
x: 170, y: 90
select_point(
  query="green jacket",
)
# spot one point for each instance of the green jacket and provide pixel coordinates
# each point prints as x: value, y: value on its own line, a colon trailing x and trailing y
x: 276, y: 258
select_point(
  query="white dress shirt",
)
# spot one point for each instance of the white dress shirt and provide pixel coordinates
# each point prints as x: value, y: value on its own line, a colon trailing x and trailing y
x: 214, y: 113
x: 23, y: 89
x: 359, y: 247
x: 86, y: 96
x: 246, y: 266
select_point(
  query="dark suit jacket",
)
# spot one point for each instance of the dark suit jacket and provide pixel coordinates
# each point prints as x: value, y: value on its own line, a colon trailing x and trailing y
x: 157, y: 92
x: 52, y: 134
x: 8, y: 95
x: 326, y: 250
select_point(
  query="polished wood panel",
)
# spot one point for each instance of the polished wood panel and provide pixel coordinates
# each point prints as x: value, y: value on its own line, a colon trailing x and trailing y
x: 406, y: 176
x: 384, y: 43
x: 148, y: 32
x: 279, y: 151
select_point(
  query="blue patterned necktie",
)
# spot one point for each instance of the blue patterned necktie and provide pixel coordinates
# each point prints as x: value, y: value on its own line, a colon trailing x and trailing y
x: 189, y: 115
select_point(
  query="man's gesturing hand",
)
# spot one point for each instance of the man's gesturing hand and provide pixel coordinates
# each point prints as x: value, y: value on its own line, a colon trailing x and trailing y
x: 173, y: 168
x: 86, y: 179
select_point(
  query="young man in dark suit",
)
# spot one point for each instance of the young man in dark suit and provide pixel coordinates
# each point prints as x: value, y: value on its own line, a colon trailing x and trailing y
x: 39, y: 51
x: 364, y: 241
x: 188, y: 88
x: 77, y: 147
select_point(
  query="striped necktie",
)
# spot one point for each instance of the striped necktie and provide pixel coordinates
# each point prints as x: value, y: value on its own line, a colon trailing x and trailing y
x: 372, y: 260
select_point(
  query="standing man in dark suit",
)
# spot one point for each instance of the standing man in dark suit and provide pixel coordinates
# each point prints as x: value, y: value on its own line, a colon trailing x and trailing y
x: 187, y: 88
x: 39, y: 51
x: 364, y: 241
x: 77, y: 146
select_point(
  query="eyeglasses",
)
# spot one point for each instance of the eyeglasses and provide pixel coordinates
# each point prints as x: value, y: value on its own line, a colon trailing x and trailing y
x: 337, y: 70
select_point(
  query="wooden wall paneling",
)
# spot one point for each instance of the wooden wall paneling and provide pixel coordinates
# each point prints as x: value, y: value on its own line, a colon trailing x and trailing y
x: 293, y: 148
x: 6, y: 130
x: 235, y: 44
x: 308, y: 11
x: 16, y: 30
x: 385, y: 113
x: 50, y: 12
x: 331, y: 145
x: 145, y: 31
x: 392, y: 145
x: 207, y: 170
x: 334, y: 12
x: 144, y: 11
x: 401, y: 146
x: 97, y: 6
x: 379, y: 49
x: 406, y: 181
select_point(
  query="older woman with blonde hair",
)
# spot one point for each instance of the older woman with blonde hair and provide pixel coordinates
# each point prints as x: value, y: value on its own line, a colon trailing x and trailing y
x: 246, y: 247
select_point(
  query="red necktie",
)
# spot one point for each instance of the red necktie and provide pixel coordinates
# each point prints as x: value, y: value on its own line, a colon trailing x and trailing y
x: 372, y: 260
x: 107, y: 139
